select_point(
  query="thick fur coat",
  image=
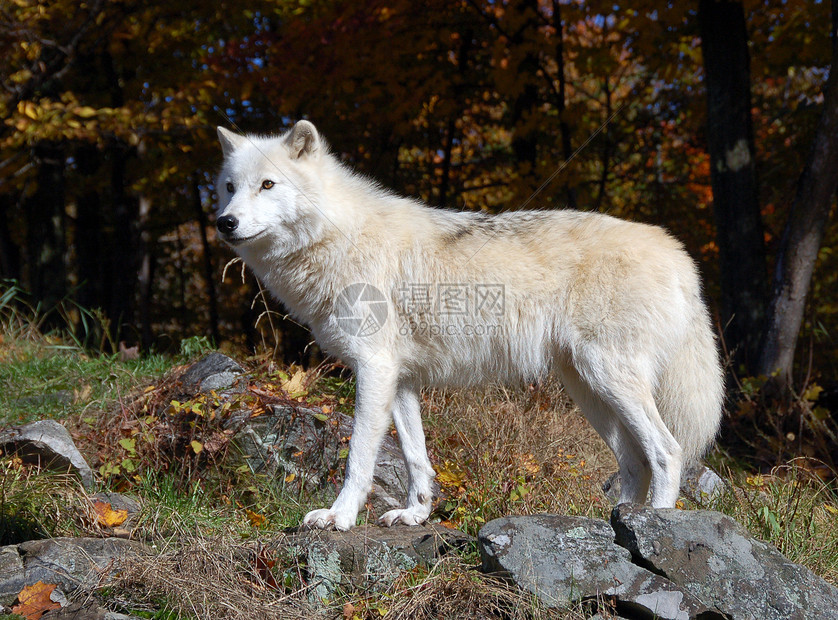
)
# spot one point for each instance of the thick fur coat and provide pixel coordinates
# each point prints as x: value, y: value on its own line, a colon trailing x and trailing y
x: 411, y: 296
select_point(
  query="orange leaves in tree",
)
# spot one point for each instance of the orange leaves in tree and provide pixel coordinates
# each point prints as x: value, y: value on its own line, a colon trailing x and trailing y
x: 35, y: 600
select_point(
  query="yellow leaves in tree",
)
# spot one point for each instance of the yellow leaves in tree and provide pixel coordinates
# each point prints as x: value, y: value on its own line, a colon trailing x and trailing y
x: 35, y: 600
x: 29, y: 109
x: 106, y: 516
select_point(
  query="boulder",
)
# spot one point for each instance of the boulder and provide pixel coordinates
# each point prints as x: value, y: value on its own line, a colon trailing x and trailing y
x: 70, y: 563
x: 12, y: 574
x: 85, y: 610
x: 564, y: 560
x: 48, y: 443
x: 212, y: 372
x: 366, y: 557
x: 714, y: 558
x: 313, y: 447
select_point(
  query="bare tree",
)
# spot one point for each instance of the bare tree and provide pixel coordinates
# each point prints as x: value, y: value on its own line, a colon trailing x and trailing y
x: 803, y: 235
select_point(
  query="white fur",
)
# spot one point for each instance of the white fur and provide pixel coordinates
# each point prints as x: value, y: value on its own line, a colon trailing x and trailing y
x: 613, y: 307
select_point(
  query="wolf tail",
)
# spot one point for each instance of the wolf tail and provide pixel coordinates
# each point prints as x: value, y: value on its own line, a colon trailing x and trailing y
x: 690, y: 394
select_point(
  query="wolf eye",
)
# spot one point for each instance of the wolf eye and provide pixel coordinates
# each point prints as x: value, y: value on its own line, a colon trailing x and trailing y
x: 231, y: 188
x: 267, y: 184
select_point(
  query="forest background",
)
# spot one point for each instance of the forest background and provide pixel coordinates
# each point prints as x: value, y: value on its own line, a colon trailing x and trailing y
x: 717, y: 120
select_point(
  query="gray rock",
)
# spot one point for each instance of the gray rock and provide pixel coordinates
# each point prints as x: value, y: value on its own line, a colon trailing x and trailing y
x: 715, y: 559
x: 12, y: 576
x: 698, y: 482
x: 367, y: 557
x: 213, y: 372
x: 118, y: 501
x: 48, y: 443
x: 311, y: 445
x: 74, y: 563
x: 85, y: 610
x: 563, y: 560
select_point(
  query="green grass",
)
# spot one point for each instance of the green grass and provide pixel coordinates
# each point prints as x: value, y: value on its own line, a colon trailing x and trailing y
x: 42, y: 379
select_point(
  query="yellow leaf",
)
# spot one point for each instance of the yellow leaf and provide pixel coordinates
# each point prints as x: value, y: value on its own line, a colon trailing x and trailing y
x: 295, y: 385
x: 197, y: 446
x: 449, y: 475
x: 82, y: 394
x: 256, y: 520
x: 812, y: 392
x: 28, y: 108
x: 34, y: 600
x: 290, y: 477
x: 107, y: 516
x: 831, y: 509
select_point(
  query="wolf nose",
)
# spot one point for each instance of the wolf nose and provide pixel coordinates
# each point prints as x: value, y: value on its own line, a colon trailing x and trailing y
x: 227, y: 224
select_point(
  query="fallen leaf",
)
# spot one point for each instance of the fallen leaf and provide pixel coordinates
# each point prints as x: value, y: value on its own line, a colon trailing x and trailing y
x: 80, y: 395
x: 107, y: 516
x: 256, y: 520
x: 295, y: 385
x: 197, y: 446
x: 34, y: 600
x: 264, y: 564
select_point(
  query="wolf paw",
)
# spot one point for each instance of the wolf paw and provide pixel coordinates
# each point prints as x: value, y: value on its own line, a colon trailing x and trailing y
x: 327, y: 519
x: 407, y: 516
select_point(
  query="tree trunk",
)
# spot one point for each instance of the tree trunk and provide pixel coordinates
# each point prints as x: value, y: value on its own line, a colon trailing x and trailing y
x: 45, y: 229
x: 209, y: 273
x: 524, y: 136
x: 803, y: 235
x: 561, y: 104
x: 730, y: 141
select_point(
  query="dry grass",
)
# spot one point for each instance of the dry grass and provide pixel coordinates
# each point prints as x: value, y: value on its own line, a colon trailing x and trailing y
x: 211, y: 578
x: 218, y: 578
x: 498, y: 452
x: 525, y: 451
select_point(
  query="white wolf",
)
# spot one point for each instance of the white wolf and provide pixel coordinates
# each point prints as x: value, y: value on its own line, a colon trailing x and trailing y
x: 411, y: 296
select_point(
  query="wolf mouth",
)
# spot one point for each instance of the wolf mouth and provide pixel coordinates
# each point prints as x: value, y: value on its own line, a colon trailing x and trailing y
x: 239, y: 240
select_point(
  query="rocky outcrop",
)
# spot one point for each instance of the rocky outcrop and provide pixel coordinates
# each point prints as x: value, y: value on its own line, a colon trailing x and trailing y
x: 366, y: 557
x: 312, y: 446
x: 565, y: 559
x: 47, y: 443
x: 215, y: 371
x: 651, y: 563
x: 70, y: 563
x: 713, y: 557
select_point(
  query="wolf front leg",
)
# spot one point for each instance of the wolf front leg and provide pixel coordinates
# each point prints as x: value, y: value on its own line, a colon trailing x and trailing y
x: 376, y: 388
x: 408, y: 420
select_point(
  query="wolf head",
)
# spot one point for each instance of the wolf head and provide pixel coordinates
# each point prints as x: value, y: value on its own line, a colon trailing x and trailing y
x: 268, y: 190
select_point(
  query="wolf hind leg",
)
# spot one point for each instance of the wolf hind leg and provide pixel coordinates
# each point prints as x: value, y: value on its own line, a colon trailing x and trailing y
x: 408, y: 421
x: 635, y: 472
x: 624, y: 384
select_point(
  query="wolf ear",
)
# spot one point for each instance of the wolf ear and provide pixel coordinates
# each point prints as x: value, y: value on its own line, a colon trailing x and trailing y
x: 303, y: 140
x: 229, y: 141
